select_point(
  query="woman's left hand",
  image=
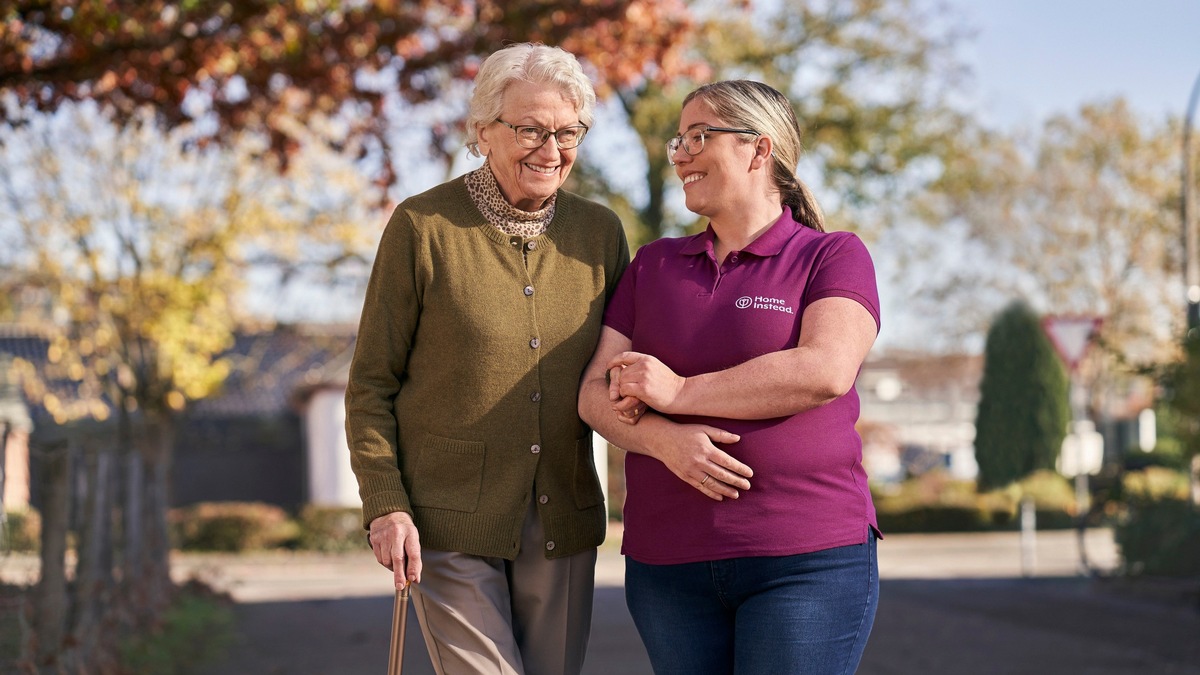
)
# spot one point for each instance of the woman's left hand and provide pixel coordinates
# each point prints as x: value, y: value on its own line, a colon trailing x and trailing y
x: 642, y: 381
x: 628, y: 408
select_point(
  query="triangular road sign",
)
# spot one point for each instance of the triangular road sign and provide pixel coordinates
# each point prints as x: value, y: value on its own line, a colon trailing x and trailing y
x: 1071, y: 336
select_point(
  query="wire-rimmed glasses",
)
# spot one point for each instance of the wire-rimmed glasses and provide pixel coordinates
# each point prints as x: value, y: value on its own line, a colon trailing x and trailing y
x: 692, y: 140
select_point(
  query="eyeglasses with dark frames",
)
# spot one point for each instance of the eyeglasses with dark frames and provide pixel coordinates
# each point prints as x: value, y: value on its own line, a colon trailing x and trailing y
x: 692, y: 140
x: 534, y: 137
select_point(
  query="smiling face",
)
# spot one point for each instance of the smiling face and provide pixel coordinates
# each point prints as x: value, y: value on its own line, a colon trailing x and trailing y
x: 720, y: 176
x: 529, y: 177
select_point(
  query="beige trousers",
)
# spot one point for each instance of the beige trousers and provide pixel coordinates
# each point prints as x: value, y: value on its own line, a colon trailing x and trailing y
x: 529, y: 616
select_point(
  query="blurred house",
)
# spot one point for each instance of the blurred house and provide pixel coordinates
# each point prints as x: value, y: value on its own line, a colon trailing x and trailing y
x: 275, y: 432
x: 918, y: 414
x: 15, y: 421
x: 272, y: 434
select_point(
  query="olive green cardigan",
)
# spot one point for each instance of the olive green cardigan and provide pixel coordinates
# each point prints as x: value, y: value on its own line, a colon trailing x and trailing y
x: 461, y: 403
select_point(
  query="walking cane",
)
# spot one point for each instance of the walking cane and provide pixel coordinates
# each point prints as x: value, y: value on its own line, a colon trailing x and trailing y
x: 399, y: 622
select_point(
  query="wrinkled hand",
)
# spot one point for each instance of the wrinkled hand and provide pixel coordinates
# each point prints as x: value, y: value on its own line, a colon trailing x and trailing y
x: 689, y: 452
x: 394, y: 540
x: 645, y: 379
x: 628, y: 408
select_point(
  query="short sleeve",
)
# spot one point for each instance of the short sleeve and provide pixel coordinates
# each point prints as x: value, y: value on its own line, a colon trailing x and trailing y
x: 846, y: 271
x: 619, y: 315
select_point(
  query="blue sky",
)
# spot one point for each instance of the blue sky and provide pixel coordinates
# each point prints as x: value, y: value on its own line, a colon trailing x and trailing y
x: 1035, y: 58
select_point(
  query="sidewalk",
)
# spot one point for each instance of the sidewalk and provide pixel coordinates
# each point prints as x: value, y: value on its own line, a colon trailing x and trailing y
x: 271, y: 576
x: 949, y: 603
x: 285, y: 575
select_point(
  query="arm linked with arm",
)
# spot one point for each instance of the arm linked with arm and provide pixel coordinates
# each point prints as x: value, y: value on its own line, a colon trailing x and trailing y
x: 688, y: 450
x: 835, y: 336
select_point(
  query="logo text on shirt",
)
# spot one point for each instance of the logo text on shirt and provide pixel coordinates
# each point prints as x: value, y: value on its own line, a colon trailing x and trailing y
x: 763, y: 302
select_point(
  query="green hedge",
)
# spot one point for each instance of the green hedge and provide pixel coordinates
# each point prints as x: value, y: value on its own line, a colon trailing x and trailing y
x: 1160, y: 538
x: 22, y: 531
x: 934, y: 502
x: 332, y: 529
x: 1158, y: 530
x: 250, y: 526
x: 231, y: 526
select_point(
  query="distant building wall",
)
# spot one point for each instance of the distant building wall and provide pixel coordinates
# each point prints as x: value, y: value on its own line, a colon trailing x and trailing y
x: 331, y: 482
x: 15, y: 449
x: 240, y: 459
x: 921, y: 411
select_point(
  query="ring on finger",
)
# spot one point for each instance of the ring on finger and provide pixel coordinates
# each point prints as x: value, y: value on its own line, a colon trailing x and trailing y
x: 706, y: 477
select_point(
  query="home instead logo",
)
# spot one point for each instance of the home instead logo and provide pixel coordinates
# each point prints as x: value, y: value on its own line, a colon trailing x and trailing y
x: 762, y: 302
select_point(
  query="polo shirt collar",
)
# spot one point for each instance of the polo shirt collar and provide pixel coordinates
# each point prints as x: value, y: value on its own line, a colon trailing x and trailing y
x: 768, y: 244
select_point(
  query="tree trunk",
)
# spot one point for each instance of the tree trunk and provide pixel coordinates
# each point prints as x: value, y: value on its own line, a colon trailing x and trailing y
x: 154, y: 578
x: 94, y: 580
x: 50, y: 596
x: 131, y: 505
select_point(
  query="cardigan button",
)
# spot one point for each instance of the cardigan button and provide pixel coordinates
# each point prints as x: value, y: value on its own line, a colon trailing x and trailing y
x: 543, y: 499
x: 535, y: 343
x: 531, y: 246
x: 549, y: 546
x: 535, y: 448
x: 528, y: 291
x: 535, y: 396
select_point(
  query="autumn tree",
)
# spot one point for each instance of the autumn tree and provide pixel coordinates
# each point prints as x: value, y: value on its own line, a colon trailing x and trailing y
x: 869, y: 82
x: 129, y: 241
x: 1080, y: 216
x: 271, y: 65
x: 129, y: 248
x: 1023, y: 408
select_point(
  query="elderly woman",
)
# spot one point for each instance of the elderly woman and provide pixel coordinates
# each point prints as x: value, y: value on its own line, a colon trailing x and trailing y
x: 483, y: 307
x: 756, y: 328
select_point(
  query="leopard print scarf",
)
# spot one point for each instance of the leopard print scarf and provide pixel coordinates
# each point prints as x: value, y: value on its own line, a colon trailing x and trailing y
x: 510, y: 220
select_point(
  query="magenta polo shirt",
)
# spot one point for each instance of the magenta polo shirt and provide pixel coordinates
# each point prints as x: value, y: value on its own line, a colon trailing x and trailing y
x: 809, y: 490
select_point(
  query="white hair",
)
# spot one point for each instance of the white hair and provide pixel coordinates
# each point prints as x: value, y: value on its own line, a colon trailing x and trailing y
x: 527, y: 62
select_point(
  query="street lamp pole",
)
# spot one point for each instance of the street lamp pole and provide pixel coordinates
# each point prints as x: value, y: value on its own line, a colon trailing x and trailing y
x: 1191, y: 245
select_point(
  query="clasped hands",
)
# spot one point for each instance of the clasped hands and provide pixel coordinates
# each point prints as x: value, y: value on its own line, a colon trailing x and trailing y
x: 638, y: 382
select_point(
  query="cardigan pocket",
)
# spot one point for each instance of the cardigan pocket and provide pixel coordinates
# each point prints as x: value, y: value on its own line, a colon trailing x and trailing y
x: 587, y: 483
x: 449, y: 474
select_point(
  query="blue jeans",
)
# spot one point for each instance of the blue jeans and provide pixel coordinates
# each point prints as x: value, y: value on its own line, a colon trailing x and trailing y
x: 808, y: 613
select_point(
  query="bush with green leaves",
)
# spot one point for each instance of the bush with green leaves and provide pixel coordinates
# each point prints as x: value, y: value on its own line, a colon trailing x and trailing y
x: 22, y: 531
x: 331, y: 529
x: 934, y: 502
x: 232, y: 526
x: 1158, y: 531
x: 1154, y: 483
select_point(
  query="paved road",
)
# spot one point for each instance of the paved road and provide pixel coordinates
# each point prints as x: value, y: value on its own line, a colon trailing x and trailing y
x: 949, y: 604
